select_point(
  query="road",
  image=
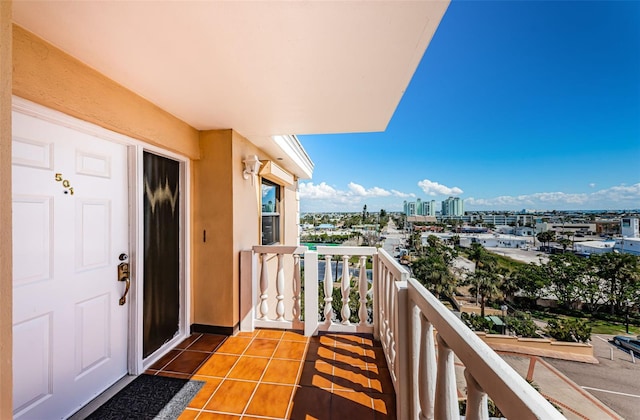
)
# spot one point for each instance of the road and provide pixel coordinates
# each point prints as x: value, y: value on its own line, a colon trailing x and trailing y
x: 614, y: 382
x: 394, y: 238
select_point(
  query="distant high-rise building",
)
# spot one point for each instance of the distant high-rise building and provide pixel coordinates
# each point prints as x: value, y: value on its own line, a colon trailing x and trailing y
x: 420, y: 208
x: 410, y: 208
x: 453, y: 206
x: 429, y: 208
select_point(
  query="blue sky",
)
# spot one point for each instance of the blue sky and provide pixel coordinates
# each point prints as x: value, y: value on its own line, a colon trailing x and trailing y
x: 515, y: 105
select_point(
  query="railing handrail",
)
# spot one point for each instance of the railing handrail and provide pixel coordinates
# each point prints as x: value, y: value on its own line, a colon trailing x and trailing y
x: 511, y: 393
x: 346, y: 250
x: 279, y: 249
x: 396, y: 269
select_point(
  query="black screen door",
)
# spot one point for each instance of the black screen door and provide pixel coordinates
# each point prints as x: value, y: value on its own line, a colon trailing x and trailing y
x: 161, y: 313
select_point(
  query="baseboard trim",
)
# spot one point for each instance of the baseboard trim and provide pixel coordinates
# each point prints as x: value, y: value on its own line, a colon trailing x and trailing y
x: 214, y: 329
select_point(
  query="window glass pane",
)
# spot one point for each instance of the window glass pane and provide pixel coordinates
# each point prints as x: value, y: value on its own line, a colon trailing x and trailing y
x: 270, y: 213
x: 270, y: 229
x: 269, y: 198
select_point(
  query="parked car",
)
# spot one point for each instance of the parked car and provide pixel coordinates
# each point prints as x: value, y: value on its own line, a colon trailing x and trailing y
x: 628, y: 343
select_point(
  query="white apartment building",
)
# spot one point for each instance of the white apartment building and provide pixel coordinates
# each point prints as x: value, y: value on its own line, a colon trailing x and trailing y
x: 420, y: 208
x: 453, y: 206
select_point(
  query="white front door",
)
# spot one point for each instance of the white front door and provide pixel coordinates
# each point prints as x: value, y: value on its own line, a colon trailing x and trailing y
x: 70, y: 225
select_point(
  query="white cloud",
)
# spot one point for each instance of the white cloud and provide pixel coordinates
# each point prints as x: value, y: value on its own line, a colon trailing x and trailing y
x: 329, y: 198
x: 592, y: 185
x: 316, y: 192
x: 433, y: 188
x: 397, y: 193
x: 617, y: 197
x: 360, y: 191
x: 324, y: 197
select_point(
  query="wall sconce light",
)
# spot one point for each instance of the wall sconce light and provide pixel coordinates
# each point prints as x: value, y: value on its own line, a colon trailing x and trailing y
x: 251, y: 167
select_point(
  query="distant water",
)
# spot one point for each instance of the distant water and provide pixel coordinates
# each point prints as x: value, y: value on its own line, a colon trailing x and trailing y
x: 353, y: 271
x: 313, y: 246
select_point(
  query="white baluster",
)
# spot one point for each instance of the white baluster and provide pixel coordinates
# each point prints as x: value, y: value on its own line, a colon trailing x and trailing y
x: 389, y: 312
x: 280, y: 289
x: 264, y: 284
x: 384, y: 325
x: 426, y: 369
x: 363, y: 288
x: 446, y: 391
x: 311, y: 315
x: 296, y: 287
x: 392, y: 322
x: 382, y: 310
x: 346, y: 290
x: 328, y: 290
x: 477, y: 403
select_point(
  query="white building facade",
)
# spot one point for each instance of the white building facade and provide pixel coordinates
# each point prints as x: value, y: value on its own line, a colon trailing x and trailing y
x: 453, y: 206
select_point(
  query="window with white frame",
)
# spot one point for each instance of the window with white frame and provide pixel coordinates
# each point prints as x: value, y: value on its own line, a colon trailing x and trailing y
x: 270, y: 213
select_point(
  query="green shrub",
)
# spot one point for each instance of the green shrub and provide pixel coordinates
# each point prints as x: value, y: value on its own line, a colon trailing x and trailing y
x: 569, y: 329
x: 479, y: 323
x: 522, y: 325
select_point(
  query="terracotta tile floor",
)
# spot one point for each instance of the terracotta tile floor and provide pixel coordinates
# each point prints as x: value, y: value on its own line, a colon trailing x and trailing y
x: 272, y: 374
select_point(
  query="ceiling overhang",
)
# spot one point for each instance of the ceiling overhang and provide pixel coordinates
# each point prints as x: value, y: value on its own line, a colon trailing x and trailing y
x: 262, y: 68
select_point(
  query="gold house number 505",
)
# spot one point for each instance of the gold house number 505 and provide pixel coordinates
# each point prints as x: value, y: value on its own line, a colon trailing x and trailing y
x: 68, y: 189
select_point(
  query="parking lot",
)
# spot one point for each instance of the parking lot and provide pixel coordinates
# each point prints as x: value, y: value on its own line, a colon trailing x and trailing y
x: 614, y: 382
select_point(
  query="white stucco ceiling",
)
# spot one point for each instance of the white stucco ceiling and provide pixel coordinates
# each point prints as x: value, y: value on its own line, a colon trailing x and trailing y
x: 262, y: 68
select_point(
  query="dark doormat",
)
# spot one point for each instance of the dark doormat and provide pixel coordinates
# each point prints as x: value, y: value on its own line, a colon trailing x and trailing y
x: 149, y: 397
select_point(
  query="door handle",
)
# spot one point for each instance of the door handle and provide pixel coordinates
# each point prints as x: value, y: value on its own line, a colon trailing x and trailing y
x: 123, y: 275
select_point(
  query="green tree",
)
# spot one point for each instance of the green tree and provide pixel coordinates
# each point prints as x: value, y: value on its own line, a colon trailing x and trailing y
x: 565, y: 243
x: 477, y: 254
x: 485, y: 284
x: 563, y: 272
x: 591, y: 290
x: 415, y: 242
x: 546, y: 237
x: 508, y: 284
x: 531, y: 280
x: 621, y: 275
x: 434, y: 268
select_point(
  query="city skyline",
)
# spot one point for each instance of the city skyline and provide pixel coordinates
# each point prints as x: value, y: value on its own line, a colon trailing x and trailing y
x: 515, y: 105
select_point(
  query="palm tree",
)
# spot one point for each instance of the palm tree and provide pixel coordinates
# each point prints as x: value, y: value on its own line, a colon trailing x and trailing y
x: 546, y: 237
x: 485, y: 284
x: 357, y: 235
x: 434, y: 274
x: 565, y: 243
x: 434, y: 268
x: 482, y: 260
x: 508, y: 284
x: 476, y: 254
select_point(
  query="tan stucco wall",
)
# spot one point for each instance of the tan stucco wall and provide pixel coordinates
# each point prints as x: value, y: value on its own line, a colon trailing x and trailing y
x: 292, y: 215
x: 247, y: 221
x: 227, y: 206
x: 50, y: 77
x: 213, y: 212
x: 6, y: 283
x: 246, y: 214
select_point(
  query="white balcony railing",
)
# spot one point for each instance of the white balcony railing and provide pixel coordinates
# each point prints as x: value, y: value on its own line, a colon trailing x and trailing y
x: 419, y: 335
